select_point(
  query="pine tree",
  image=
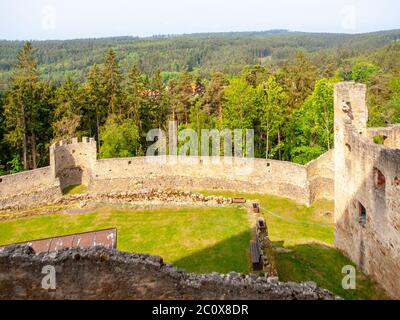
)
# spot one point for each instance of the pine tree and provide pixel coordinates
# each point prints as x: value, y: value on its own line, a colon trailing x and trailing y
x: 112, y: 81
x: 159, y: 102
x: 298, y: 79
x: 69, y: 103
x: 95, y: 110
x: 212, y: 99
x: 22, y: 109
x: 183, y: 96
x: 135, y: 92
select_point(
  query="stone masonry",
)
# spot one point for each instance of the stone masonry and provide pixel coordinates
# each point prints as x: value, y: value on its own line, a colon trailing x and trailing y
x: 361, y: 176
x: 367, y: 189
x: 76, y: 162
x: 99, y: 273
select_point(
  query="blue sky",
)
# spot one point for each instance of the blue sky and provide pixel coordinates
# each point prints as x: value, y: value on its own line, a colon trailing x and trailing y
x: 67, y: 19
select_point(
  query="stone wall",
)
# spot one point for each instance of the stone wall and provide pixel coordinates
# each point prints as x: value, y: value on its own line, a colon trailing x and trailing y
x: 35, y: 186
x: 196, y: 173
x: 390, y: 134
x: 76, y: 162
x: 72, y: 163
x: 321, y: 177
x: 367, y: 191
x: 100, y: 273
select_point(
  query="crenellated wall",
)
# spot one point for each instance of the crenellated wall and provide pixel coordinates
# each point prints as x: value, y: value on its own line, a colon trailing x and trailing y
x: 76, y: 162
x: 72, y: 163
x: 367, y: 190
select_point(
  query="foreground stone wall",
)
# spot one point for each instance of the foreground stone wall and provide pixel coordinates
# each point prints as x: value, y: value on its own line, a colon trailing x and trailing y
x: 100, y: 273
x: 367, y: 191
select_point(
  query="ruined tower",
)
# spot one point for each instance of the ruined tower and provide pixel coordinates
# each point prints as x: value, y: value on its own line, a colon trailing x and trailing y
x: 367, y: 190
x: 72, y: 162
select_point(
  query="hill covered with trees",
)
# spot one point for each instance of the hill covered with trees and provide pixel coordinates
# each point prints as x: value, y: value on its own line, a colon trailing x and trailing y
x: 204, y: 53
x: 278, y: 83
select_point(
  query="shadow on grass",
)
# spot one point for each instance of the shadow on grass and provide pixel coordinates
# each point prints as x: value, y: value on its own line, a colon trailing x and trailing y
x: 226, y: 256
x: 323, y: 265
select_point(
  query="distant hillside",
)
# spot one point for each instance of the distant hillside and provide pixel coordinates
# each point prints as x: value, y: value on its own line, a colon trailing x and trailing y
x: 208, y: 52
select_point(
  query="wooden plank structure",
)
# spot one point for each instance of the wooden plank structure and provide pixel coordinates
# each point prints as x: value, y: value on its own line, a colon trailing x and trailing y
x: 238, y: 200
x: 106, y: 238
x: 255, y: 254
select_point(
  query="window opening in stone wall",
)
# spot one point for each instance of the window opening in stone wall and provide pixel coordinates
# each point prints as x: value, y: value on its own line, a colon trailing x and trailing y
x: 362, y: 215
x: 379, y: 179
x: 379, y: 139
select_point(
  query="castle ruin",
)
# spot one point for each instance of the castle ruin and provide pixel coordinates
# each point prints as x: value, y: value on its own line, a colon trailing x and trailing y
x: 367, y: 189
x: 75, y: 162
x: 362, y: 177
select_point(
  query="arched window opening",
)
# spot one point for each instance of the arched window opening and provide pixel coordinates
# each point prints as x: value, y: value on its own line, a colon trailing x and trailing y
x: 380, y: 139
x: 362, y: 217
x: 379, y: 179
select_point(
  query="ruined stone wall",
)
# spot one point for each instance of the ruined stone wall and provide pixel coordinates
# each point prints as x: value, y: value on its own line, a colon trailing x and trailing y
x: 100, y: 273
x: 321, y: 173
x: 390, y: 134
x: 367, y: 191
x: 28, y: 187
x: 70, y: 164
x: 75, y: 162
x: 195, y: 173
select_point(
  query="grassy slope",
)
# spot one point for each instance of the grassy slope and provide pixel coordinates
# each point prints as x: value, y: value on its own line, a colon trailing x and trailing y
x: 198, y: 240
x: 308, y: 232
x: 76, y: 189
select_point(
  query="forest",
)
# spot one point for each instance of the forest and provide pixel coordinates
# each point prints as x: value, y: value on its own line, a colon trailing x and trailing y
x: 278, y: 83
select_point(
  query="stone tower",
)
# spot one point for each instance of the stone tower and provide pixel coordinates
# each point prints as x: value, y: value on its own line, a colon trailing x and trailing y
x: 351, y: 113
x: 367, y: 190
x: 73, y: 162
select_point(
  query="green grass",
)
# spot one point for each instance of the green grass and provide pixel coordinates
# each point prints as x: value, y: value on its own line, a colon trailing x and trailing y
x: 76, y: 189
x: 197, y: 239
x: 308, y: 232
x: 215, y: 239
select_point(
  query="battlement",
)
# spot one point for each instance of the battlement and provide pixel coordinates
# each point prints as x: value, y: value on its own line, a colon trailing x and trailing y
x: 73, y: 142
x: 75, y: 162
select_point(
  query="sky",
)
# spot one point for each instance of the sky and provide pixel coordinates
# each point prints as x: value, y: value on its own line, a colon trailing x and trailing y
x: 71, y: 19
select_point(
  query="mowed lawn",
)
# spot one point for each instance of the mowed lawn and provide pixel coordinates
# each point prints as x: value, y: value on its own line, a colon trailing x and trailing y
x: 196, y: 239
x: 308, y: 233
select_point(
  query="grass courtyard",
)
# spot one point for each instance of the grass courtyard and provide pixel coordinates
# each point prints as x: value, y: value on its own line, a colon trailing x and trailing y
x: 216, y: 239
x: 308, y: 233
x: 196, y: 239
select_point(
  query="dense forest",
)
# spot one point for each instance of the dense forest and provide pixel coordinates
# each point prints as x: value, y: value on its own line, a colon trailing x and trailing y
x: 278, y: 83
